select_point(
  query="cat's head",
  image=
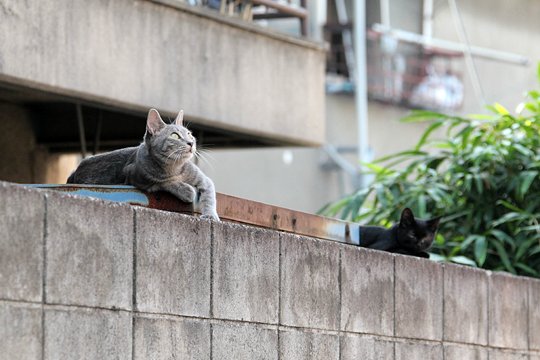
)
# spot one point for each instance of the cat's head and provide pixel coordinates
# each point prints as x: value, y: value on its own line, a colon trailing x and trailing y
x: 416, y: 234
x: 169, y: 142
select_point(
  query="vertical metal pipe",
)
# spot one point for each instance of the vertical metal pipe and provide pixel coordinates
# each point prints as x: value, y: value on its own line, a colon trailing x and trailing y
x: 82, y: 137
x: 385, y: 12
x: 361, y: 83
x: 427, y: 19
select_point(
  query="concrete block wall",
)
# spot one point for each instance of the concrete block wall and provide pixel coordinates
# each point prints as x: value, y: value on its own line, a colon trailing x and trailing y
x: 86, y: 279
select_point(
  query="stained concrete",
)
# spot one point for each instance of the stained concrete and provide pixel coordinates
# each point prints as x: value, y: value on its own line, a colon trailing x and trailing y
x: 312, y: 266
x: 460, y: 352
x: 465, y: 304
x: 89, y: 252
x: 299, y: 345
x: 87, y: 334
x: 172, y: 264
x: 134, y: 55
x: 367, y: 291
x: 22, y: 217
x: 418, y: 351
x: 354, y: 347
x: 246, y: 273
x: 169, y: 338
x: 419, y: 298
x: 508, y: 311
x: 20, y: 331
x: 90, y: 247
x: 244, y: 342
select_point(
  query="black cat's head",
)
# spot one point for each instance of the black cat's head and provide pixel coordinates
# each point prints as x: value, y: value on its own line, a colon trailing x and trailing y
x: 414, y: 234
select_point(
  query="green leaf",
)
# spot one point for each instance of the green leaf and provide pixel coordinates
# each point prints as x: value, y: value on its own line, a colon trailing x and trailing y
x: 527, y: 177
x: 504, y: 257
x: 423, y: 115
x: 462, y: 260
x: 510, y: 206
x: 427, y: 133
x: 480, y: 249
x: 500, y: 109
x: 502, y: 236
x: 527, y: 269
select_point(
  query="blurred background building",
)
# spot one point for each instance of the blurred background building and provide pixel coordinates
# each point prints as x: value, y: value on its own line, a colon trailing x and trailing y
x: 269, y: 87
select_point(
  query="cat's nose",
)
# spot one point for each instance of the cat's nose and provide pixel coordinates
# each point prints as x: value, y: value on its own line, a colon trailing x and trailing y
x: 190, y: 143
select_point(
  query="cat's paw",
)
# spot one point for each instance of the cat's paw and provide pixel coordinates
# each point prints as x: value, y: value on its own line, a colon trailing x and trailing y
x: 212, y: 216
x: 187, y: 194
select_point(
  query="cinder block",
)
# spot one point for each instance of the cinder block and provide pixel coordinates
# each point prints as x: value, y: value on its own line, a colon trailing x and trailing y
x: 534, y: 314
x: 244, y: 342
x: 309, y: 282
x: 461, y: 352
x: 498, y: 354
x: 508, y: 311
x: 246, y: 273
x: 22, y: 216
x: 367, y: 291
x: 298, y: 345
x: 87, y: 334
x: 173, y: 263
x: 20, y: 331
x: 465, y: 304
x: 419, y: 286
x: 355, y: 347
x: 171, y: 339
x: 89, y: 252
x: 418, y: 351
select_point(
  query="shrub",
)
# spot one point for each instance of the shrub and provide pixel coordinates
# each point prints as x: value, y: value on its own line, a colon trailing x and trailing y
x: 483, y: 176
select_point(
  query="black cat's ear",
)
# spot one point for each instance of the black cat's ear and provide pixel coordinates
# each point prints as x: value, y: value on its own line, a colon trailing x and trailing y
x: 154, y: 123
x: 434, y: 223
x: 407, y: 218
x: 179, y: 118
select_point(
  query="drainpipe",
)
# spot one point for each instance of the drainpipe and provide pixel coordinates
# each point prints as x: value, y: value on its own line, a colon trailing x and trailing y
x: 360, y: 94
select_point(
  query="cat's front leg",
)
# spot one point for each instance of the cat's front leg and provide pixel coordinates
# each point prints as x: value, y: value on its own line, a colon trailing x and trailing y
x: 182, y: 191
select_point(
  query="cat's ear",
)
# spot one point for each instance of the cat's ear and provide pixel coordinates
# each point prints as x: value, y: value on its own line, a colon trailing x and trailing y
x: 407, y: 218
x: 154, y: 123
x: 434, y: 223
x: 179, y: 118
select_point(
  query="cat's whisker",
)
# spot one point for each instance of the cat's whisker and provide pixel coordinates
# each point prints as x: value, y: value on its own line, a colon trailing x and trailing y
x: 204, y: 159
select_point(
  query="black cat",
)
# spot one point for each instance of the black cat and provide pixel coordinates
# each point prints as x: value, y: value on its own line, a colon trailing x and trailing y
x: 411, y: 236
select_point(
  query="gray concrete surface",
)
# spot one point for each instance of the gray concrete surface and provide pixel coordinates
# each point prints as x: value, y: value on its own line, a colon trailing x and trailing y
x: 22, y: 216
x: 299, y: 345
x: 246, y: 273
x: 244, y: 342
x: 465, y: 305
x: 89, y: 248
x: 508, y: 310
x: 354, y: 347
x: 89, y: 252
x: 508, y: 355
x: 534, y: 315
x: 172, y: 264
x: 419, y: 298
x: 418, y: 351
x: 164, y: 339
x: 20, y: 331
x: 309, y: 282
x: 140, y: 54
x: 87, y: 334
x: 461, y: 352
x: 367, y: 291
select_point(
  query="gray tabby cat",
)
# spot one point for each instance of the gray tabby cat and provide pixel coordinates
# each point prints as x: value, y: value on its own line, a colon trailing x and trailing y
x: 161, y: 162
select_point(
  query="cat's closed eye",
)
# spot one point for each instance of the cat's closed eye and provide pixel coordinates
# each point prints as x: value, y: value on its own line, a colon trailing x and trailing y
x: 175, y: 136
